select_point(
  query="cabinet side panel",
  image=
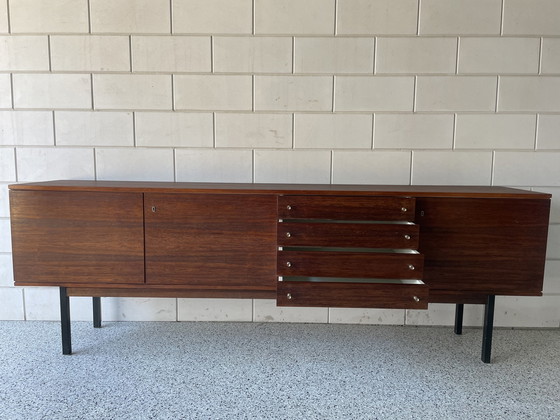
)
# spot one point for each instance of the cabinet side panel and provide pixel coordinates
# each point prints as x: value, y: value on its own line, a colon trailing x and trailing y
x: 77, y: 237
x: 492, y: 246
x: 222, y: 241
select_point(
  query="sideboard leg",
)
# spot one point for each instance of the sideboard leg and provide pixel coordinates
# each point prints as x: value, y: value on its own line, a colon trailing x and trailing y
x: 65, y: 321
x: 96, y: 312
x: 488, y: 328
x: 459, y: 318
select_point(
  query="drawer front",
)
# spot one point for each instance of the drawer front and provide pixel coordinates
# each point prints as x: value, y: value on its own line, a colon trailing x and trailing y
x: 350, y: 264
x: 346, y: 208
x: 352, y: 295
x: 352, y: 235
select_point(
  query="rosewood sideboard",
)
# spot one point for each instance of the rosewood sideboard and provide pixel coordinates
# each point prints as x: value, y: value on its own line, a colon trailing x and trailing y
x: 303, y: 245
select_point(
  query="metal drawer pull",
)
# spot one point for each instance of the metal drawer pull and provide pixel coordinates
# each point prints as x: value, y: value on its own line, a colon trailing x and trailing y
x: 410, y: 267
x: 289, y: 296
x: 404, y: 209
x: 153, y: 209
x: 407, y: 237
x: 288, y: 234
x: 288, y: 207
x: 416, y: 298
x: 288, y: 264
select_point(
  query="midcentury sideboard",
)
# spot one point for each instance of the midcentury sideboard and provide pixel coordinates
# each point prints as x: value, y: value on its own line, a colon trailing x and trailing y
x: 303, y: 245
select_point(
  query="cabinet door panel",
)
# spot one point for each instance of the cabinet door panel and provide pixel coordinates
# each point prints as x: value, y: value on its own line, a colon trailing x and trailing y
x: 495, y: 246
x: 222, y: 241
x: 77, y: 237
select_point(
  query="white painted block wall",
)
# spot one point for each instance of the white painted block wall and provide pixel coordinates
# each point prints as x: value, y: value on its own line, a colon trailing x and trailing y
x: 325, y: 91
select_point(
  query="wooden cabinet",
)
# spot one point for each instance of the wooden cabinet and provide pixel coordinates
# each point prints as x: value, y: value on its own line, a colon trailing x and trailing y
x: 128, y: 238
x: 303, y: 245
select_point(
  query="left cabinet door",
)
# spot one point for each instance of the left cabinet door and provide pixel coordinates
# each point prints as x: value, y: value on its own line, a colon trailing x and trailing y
x: 69, y: 237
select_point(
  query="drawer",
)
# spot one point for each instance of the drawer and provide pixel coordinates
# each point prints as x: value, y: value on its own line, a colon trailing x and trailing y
x: 411, y: 295
x: 387, y: 265
x: 353, y: 235
x: 346, y: 208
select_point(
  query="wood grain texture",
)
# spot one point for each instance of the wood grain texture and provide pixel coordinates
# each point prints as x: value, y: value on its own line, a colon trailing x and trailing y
x: 342, y: 208
x: 493, y: 246
x: 350, y: 264
x: 282, y: 189
x: 352, y: 295
x: 77, y: 237
x: 213, y: 240
x: 364, y: 235
x: 219, y: 240
x: 171, y: 292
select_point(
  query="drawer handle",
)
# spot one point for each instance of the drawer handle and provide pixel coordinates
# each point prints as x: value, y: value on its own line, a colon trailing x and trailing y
x: 416, y: 298
x: 289, y: 296
x: 411, y: 267
x: 288, y: 235
x: 404, y: 209
x: 407, y: 237
x: 288, y: 264
x: 154, y: 209
x: 288, y: 207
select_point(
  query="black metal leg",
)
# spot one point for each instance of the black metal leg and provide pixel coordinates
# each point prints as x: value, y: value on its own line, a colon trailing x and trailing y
x: 65, y: 322
x: 459, y: 318
x: 488, y: 328
x: 96, y: 312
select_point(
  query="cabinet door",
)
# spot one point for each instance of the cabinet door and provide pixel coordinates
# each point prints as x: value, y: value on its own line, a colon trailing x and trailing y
x: 211, y: 241
x: 77, y: 237
x: 485, y: 246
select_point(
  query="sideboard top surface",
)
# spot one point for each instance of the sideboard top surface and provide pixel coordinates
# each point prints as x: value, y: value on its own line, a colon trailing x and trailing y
x: 308, y: 189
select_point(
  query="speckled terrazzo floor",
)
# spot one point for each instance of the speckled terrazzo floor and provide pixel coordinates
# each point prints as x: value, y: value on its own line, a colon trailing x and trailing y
x: 145, y: 370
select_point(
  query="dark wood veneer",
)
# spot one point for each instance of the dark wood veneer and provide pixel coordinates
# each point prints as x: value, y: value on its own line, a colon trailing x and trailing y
x: 305, y: 245
x: 352, y: 295
x: 485, y: 245
x: 341, y: 208
x: 350, y: 264
x: 463, y: 191
x: 359, y: 235
x: 221, y: 239
x: 77, y: 237
x: 201, y: 239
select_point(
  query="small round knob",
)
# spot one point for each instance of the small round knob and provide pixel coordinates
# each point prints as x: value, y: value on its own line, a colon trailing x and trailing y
x: 416, y: 298
x: 288, y: 234
x: 407, y: 237
x: 288, y: 207
x: 404, y: 209
x: 289, y: 296
x: 410, y: 267
x: 154, y: 209
x: 288, y: 264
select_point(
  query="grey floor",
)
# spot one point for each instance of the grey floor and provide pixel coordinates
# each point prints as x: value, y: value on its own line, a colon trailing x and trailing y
x: 145, y: 370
